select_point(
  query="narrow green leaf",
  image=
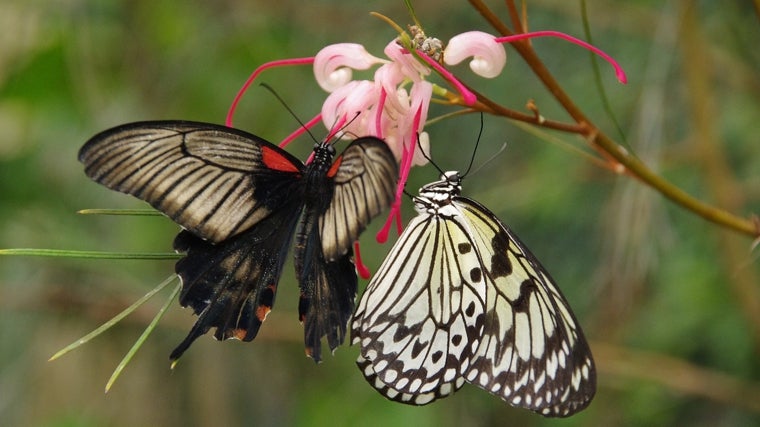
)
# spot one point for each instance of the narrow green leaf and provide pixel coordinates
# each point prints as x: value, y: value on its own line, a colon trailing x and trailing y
x: 136, y: 346
x: 65, y: 253
x: 134, y: 212
x: 116, y: 319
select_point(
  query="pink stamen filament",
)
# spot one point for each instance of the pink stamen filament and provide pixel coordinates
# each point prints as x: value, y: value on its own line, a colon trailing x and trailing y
x: 468, y: 97
x: 619, y: 73
x: 362, y: 269
x: 379, y: 115
x: 252, y: 77
x: 407, y: 157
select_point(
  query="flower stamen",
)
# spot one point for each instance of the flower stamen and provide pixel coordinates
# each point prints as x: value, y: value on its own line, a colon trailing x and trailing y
x: 619, y: 73
x: 362, y: 269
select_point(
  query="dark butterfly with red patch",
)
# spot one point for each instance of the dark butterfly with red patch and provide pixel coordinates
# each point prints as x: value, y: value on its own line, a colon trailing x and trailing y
x: 240, y: 201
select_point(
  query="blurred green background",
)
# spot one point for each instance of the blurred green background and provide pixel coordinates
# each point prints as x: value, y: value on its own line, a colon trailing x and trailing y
x: 668, y: 300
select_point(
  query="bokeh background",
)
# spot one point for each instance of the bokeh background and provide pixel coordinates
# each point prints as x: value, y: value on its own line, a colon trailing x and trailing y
x: 669, y: 301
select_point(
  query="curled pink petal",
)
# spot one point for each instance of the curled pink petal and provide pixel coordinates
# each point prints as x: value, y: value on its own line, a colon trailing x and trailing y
x: 333, y: 64
x: 418, y: 159
x: 488, y: 56
x: 388, y: 77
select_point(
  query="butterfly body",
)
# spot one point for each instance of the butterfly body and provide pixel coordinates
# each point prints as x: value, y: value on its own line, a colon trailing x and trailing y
x: 241, y: 202
x: 461, y: 299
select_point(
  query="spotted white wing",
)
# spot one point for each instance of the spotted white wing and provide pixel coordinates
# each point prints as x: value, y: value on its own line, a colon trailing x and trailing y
x: 532, y: 352
x: 517, y: 337
x: 420, y: 318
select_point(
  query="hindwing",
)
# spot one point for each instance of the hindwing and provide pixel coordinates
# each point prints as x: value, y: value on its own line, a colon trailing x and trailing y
x: 232, y: 285
x: 364, y: 179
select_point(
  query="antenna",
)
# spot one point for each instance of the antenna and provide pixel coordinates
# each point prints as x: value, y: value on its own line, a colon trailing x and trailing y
x: 425, y: 155
x: 475, y: 150
x: 490, y: 159
x: 282, y: 101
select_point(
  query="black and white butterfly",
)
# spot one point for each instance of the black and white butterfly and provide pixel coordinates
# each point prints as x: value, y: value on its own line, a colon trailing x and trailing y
x: 461, y: 299
x: 240, y: 200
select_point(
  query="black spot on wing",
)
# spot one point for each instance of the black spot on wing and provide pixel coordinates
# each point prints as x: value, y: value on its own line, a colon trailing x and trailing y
x: 500, y: 263
x: 417, y: 349
x: 464, y: 248
x: 522, y: 302
x: 456, y: 339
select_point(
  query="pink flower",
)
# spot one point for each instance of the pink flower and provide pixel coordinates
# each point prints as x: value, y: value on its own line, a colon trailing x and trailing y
x: 394, y: 105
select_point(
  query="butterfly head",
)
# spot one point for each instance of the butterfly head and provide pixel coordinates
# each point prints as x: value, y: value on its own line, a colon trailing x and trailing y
x: 323, y: 153
x: 439, y: 193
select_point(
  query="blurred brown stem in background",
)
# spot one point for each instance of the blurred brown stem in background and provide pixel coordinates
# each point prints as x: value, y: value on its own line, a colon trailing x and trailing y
x: 718, y: 177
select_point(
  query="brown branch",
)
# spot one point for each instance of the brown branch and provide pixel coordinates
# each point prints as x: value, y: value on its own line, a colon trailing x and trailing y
x: 514, y: 15
x: 633, y: 166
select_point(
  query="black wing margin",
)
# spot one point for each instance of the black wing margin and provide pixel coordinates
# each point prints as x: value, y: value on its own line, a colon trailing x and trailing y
x: 203, y: 176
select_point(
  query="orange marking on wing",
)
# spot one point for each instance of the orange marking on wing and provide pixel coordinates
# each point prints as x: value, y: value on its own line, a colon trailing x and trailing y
x: 239, y: 334
x: 275, y: 160
x: 262, y: 311
x: 334, y: 168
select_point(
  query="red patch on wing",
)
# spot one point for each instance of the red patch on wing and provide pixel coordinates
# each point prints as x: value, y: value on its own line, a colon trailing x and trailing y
x: 334, y: 168
x: 275, y: 160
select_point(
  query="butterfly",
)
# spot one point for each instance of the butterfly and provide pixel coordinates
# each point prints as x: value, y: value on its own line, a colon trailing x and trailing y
x: 461, y: 299
x: 240, y: 201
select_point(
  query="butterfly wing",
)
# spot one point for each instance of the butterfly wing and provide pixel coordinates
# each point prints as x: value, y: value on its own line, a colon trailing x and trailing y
x: 328, y: 290
x: 532, y: 352
x: 231, y: 286
x: 341, y: 201
x: 364, y: 178
x: 212, y: 180
x: 421, y: 316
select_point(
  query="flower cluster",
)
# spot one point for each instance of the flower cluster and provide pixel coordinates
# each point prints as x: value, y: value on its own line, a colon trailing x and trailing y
x: 394, y: 105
